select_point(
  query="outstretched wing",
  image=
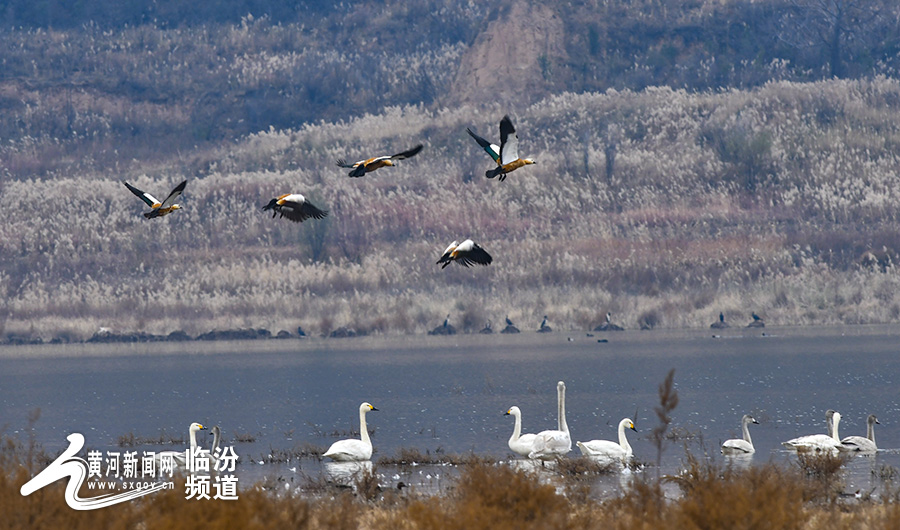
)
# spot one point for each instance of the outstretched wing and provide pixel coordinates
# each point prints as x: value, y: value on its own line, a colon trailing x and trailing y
x: 407, y: 154
x: 144, y: 196
x: 343, y: 163
x: 301, y: 211
x: 170, y: 200
x: 509, y: 142
x: 491, y: 149
x: 476, y: 255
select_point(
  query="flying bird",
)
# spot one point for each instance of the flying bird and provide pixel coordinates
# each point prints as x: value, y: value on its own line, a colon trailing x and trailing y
x: 466, y: 253
x: 365, y: 166
x: 509, y: 152
x: 295, y: 207
x: 159, y: 209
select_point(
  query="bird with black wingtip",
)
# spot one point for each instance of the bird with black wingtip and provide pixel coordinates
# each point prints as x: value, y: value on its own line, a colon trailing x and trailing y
x: 159, y: 209
x: 509, y: 152
x: 358, y: 169
x: 295, y: 207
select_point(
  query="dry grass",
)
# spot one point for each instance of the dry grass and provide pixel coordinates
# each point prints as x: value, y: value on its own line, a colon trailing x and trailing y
x: 669, y: 243
x: 483, y: 495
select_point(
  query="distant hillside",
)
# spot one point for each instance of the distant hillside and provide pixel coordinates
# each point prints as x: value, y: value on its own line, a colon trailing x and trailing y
x: 152, y: 76
x: 661, y: 206
x: 687, y: 165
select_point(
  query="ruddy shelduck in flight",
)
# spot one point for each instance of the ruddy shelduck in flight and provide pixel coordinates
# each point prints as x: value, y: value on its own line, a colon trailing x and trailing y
x: 466, y: 253
x: 159, y: 208
x: 509, y: 152
x: 295, y: 207
x: 365, y: 166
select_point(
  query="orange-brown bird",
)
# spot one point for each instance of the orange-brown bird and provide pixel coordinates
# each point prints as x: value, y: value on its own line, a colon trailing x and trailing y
x: 295, y: 207
x: 365, y: 166
x: 159, y: 208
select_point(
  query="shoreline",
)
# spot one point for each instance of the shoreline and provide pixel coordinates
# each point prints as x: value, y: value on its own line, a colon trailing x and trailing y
x: 400, y: 343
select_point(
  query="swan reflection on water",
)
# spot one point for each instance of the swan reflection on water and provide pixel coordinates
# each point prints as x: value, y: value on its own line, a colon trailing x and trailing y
x: 346, y: 473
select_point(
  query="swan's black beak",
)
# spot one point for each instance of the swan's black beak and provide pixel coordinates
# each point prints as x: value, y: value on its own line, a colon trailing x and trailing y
x: 374, y: 409
x: 506, y: 413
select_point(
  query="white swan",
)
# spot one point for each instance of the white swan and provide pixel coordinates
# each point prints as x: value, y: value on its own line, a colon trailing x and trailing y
x: 608, y: 449
x: 741, y: 446
x: 858, y: 443
x: 354, y: 450
x: 178, y: 456
x: 519, y: 443
x: 548, y: 445
x: 819, y: 442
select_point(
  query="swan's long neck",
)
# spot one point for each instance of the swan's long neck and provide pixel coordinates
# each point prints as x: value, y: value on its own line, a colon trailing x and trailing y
x: 517, y: 430
x: 363, y: 430
x: 561, y: 409
x: 835, y: 420
x: 870, y: 430
x: 746, y: 428
x: 215, y: 444
x: 623, y: 441
x: 193, y: 439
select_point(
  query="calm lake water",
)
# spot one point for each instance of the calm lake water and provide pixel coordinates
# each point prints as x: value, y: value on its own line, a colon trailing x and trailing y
x: 449, y: 393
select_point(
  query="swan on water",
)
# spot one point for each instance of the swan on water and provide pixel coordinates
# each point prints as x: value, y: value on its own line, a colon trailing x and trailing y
x: 519, y: 443
x: 743, y: 446
x: 178, y: 456
x: 609, y: 449
x: 217, y: 437
x: 553, y: 443
x: 819, y: 442
x: 858, y: 443
x: 354, y: 450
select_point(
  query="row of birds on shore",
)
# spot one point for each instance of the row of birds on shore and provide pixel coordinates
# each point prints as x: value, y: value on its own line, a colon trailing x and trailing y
x: 296, y: 207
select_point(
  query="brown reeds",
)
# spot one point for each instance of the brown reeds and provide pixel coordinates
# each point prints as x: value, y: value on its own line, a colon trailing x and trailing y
x: 484, y: 495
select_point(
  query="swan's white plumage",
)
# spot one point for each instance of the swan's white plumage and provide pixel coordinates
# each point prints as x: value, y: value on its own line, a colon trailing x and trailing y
x: 607, y: 448
x: 862, y: 444
x: 553, y: 443
x: 178, y: 457
x: 519, y: 443
x: 819, y: 442
x: 354, y: 450
x: 737, y: 446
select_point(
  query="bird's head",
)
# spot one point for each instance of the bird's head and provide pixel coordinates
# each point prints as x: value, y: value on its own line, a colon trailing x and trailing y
x: 271, y: 204
x: 528, y: 161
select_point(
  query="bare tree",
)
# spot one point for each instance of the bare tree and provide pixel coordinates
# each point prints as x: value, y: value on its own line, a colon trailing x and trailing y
x: 846, y: 29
